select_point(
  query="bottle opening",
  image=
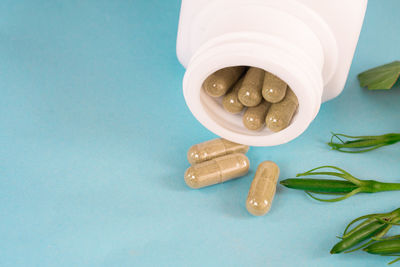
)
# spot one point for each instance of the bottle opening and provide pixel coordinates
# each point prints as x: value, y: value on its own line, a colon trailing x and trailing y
x: 249, y: 100
x: 302, y: 77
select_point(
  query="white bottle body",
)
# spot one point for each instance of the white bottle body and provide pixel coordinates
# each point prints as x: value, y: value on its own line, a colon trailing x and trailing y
x: 308, y: 43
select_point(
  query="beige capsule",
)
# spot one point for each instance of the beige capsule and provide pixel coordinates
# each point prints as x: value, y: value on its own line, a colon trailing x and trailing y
x: 212, y: 149
x: 231, y: 102
x: 217, y: 170
x: 262, y: 189
x: 280, y: 114
x: 218, y: 83
x: 274, y: 89
x: 250, y: 92
x: 254, y: 118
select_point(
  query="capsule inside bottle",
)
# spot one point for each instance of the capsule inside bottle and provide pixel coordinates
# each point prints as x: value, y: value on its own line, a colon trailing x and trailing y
x: 280, y: 114
x: 274, y: 89
x: 218, y: 83
x: 250, y: 91
x: 254, y: 118
x: 231, y: 102
x: 244, y: 90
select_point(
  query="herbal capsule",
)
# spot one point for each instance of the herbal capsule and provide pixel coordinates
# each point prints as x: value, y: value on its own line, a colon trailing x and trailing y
x: 231, y: 102
x: 274, y: 89
x: 212, y: 149
x: 250, y: 92
x: 262, y: 189
x: 254, y: 118
x: 280, y: 114
x: 217, y: 170
x: 218, y: 83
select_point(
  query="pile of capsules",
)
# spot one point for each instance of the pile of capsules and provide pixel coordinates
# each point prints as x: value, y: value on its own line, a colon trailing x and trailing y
x: 268, y: 99
x: 219, y: 160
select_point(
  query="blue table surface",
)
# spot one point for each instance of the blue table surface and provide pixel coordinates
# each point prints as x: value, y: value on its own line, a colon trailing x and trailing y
x: 93, y: 138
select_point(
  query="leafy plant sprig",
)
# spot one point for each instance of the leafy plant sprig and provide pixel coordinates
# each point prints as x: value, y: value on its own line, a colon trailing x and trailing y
x: 347, y: 187
x: 386, y: 247
x: 380, y: 78
x: 373, y: 227
x: 360, y: 144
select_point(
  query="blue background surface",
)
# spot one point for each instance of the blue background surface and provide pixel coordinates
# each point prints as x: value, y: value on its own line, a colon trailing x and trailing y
x: 93, y: 138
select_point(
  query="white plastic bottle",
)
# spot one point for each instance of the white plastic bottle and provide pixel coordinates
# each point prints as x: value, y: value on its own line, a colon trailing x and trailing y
x: 307, y: 43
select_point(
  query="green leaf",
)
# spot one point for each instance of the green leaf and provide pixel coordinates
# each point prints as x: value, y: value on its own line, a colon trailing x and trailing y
x: 382, y: 77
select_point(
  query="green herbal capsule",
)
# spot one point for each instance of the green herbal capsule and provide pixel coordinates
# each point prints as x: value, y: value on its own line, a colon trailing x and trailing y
x: 218, y: 83
x: 274, y: 89
x: 262, y: 189
x: 250, y: 91
x: 231, y: 102
x: 254, y: 117
x: 213, y: 149
x: 217, y: 170
x: 280, y: 114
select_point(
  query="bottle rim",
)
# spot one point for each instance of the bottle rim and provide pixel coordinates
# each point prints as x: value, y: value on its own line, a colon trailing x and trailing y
x: 270, y: 53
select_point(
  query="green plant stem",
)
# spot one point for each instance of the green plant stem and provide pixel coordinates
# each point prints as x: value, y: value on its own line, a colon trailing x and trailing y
x: 375, y: 186
x: 360, y: 144
x: 347, y: 187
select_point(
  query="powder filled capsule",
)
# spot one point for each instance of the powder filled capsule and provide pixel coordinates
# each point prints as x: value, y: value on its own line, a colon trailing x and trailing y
x: 274, y: 89
x: 217, y: 170
x: 250, y: 92
x: 212, y: 149
x: 280, y: 114
x: 254, y: 118
x: 231, y: 102
x: 262, y: 189
x: 218, y: 83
